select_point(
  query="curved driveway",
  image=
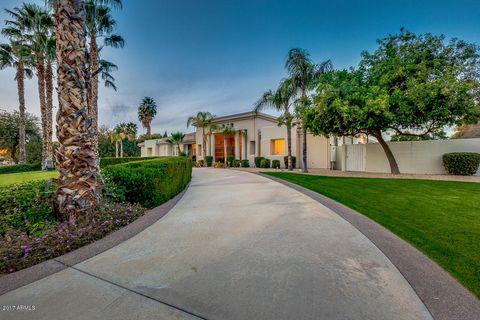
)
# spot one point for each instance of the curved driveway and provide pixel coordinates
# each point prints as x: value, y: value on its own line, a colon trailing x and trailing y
x: 236, y: 246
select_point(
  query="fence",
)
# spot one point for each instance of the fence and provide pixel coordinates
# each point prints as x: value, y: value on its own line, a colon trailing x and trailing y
x: 420, y: 157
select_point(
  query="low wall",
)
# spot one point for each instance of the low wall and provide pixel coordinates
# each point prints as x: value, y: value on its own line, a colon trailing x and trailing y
x: 421, y: 157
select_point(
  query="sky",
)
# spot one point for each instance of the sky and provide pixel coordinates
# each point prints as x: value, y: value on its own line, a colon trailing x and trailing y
x: 221, y: 55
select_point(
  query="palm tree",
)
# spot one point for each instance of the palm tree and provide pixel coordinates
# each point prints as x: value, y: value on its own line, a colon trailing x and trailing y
x: 227, y: 131
x: 76, y: 159
x: 204, y: 120
x: 176, y: 139
x: 34, y: 24
x: 50, y: 58
x: 146, y: 111
x: 121, y: 132
x: 304, y: 74
x: 100, y: 24
x: 18, y: 55
x: 281, y: 100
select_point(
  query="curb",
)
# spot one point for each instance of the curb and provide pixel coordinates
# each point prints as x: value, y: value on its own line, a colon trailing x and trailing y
x: 44, y: 269
x: 443, y: 295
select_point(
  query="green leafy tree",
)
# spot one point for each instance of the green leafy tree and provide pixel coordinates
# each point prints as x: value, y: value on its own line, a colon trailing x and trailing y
x: 304, y: 74
x: 146, y: 112
x: 10, y: 134
x: 411, y: 85
x: 281, y: 100
x: 176, y: 139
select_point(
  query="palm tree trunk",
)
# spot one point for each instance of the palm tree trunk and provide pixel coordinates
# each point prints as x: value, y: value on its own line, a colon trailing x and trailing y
x: 289, y: 147
x: 388, y: 152
x: 121, y: 148
x: 48, y: 114
x: 93, y: 88
x: 304, y: 148
x: 204, y: 147
x: 43, y: 108
x: 149, y: 129
x: 116, y: 148
x: 20, y: 76
x: 77, y: 162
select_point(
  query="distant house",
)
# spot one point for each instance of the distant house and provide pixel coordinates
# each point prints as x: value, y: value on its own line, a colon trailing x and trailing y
x: 468, y: 132
x: 161, y: 148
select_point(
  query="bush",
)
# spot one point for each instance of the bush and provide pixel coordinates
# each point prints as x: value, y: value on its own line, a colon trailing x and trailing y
x: 236, y: 163
x: 209, y: 160
x: 276, y: 164
x: 199, y: 164
x: 258, y: 161
x: 219, y: 165
x: 294, y: 161
x: 244, y: 163
x: 461, y: 163
x: 20, y: 168
x: 231, y: 161
x: 151, y: 183
x: 109, y: 161
x: 265, y: 163
x: 194, y: 158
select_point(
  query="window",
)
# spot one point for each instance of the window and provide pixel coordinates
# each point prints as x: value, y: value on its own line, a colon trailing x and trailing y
x: 277, y: 147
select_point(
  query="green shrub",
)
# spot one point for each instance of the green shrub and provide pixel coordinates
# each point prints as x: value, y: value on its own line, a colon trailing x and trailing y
x: 151, y: 183
x: 194, y: 158
x: 244, y: 163
x: 231, y: 161
x: 109, y: 161
x: 276, y: 164
x: 20, y: 168
x: 265, y: 163
x: 258, y: 161
x: 461, y: 163
x: 209, y: 160
x: 294, y: 161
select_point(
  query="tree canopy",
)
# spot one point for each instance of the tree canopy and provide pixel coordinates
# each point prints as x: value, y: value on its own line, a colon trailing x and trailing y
x: 413, y: 85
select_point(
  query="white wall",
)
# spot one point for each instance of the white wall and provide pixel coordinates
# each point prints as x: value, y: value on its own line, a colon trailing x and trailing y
x: 421, y: 157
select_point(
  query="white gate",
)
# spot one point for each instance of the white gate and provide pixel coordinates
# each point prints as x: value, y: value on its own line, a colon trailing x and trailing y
x: 355, y: 157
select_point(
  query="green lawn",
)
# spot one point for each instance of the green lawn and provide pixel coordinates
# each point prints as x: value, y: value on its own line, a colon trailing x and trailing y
x: 440, y: 218
x: 12, y: 178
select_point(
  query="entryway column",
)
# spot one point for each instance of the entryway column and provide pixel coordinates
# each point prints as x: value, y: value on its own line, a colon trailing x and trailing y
x: 212, y: 146
x: 237, y: 144
x: 244, y: 144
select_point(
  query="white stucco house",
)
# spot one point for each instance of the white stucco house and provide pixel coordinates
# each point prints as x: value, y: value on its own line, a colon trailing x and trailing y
x: 255, y: 134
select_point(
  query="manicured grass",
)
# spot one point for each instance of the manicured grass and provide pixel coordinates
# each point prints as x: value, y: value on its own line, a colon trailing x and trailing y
x: 440, y: 218
x: 12, y: 178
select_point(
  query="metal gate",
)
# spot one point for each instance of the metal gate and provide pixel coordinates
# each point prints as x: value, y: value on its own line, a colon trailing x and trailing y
x: 355, y: 157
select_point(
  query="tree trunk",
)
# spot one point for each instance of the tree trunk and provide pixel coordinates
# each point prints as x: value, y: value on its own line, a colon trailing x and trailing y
x: 204, y: 148
x: 178, y: 149
x: 76, y: 160
x: 388, y: 152
x: 304, y: 148
x: 43, y: 108
x: 149, y: 129
x: 121, y: 148
x: 48, y: 115
x: 20, y: 76
x: 93, y: 88
x: 289, y: 148
x: 116, y: 148
x: 225, y: 162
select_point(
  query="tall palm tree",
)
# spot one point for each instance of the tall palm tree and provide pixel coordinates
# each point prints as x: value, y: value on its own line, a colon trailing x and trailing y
x: 146, y: 112
x: 176, y: 139
x: 50, y: 59
x: 203, y: 120
x: 76, y: 158
x: 100, y: 24
x: 227, y: 131
x: 281, y: 100
x: 33, y: 23
x: 121, y: 132
x: 304, y: 74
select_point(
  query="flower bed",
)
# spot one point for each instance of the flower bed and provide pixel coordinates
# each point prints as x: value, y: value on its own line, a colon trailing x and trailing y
x: 30, y: 234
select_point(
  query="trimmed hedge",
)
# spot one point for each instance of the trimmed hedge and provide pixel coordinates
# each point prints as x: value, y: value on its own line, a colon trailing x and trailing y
x: 109, y: 161
x: 151, y: 183
x: 14, y: 168
x: 461, y: 163
x: 244, y: 163
x: 276, y: 164
x: 258, y: 161
x: 265, y: 163
x: 231, y: 161
x: 209, y: 160
x: 294, y: 161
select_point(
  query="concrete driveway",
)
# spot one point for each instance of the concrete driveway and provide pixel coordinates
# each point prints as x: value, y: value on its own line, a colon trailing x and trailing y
x: 237, y: 246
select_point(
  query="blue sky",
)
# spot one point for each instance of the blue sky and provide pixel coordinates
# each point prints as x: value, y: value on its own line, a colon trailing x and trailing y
x: 220, y: 55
